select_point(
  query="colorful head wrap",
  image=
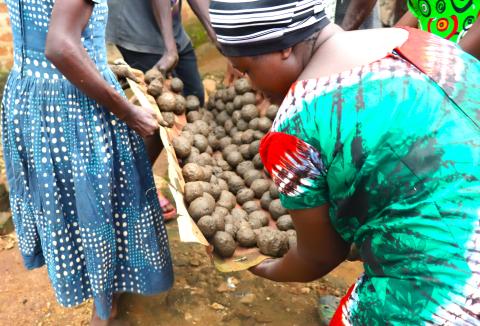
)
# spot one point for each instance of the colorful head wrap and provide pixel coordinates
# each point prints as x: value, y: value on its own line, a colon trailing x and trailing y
x: 254, y: 27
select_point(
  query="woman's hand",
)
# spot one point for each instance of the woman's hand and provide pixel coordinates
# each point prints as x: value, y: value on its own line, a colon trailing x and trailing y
x: 142, y: 119
x: 263, y: 268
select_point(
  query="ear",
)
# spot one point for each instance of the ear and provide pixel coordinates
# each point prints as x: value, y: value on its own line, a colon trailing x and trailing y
x: 285, y: 54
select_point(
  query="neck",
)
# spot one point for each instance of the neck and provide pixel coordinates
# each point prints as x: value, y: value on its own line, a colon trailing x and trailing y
x: 323, y: 36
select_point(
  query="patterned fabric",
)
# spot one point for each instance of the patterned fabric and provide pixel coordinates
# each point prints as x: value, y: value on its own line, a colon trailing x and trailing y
x: 395, y: 153
x: 82, y: 193
x: 248, y: 28
x: 449, y: 19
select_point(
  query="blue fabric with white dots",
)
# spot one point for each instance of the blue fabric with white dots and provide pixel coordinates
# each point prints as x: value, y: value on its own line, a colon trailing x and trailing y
x: 82, y: 193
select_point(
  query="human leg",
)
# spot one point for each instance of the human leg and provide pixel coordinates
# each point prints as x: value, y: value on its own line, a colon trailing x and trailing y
x: 139, y: 60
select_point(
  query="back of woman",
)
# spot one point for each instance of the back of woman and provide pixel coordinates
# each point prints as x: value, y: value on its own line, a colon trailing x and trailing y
x: 381, y: 152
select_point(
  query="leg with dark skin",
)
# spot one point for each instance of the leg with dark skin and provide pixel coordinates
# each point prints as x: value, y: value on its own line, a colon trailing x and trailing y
x: 112, y: 321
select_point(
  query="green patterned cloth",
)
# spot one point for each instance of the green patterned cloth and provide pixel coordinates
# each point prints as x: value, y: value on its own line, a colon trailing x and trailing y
x: 449, y: 19
x: 394, y: 148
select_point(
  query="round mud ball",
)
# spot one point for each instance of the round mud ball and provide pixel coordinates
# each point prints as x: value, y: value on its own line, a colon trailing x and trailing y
x: 221, y: 211
x: 176, y: 85
x: 222, y: 117
x: 251, y: 206
x: 237, y: 138
x: 274, y: 194
x: 247, y: 137
x: 169, y: 118
x: 227, y: 200
x: 221, y: 163
x: 193, y: 157
x: 156, y: 87
x: 207, y: 170
x: 235, y: 184
x: 242, y: 125
x: 228, y: 126
x: 200, y: 142
x: 224, y: 244
x: 152, y: 74
x: 193, y: 103
x: 205, y: 159
x: 258, y: 135
x: 182, y: 146
x: 249, y: 98
x: 249, y: 112
x: 229, y: 94
x: 220, y: 105
x: 231, y: 229
x: 292, y: 238
x: 239, y: 214
x: 193, y: 172
x: 276, y: 209
x: 195, y: 189
x: 238, y: 102
x: 219, y: 222
x: 219, y: 132
x: 244, y: 149
x: 253, y: 124
x: 201, y: 206
x: 272, y: 112
x: 215, y: 189
x: 233, y: 132
x: 166, y: 102
x: 285, y: 223
x: 208, y: 117
x: 231, y: 148
x: 243, y: 167
x: 254, y: 148
x: 219, y: 93
x: 260, y: 215
x: 180, y: 104
x: 188, y: 135
x: 244, y: 195
x: 236, y: 116
x: 246, y: 237
x: 272, y: 243
x: 252, y: 175
x: 229, y: 108
x: 259, y: 187
x: 190, y: 127
x: 265, y: 200
x: 257, y: 162
x: 242, y: 85
x: 264, y: 124
x: 222, y: 184
x: 193, y: 116
x: 202, y: 127
x: 213, y: 142
x: 207, y: 226
x: 224, y: 142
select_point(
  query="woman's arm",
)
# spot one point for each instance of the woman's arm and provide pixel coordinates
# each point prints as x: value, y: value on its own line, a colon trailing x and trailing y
x: 65, y: 50
x: 319, y: 249
x: 357, y: 12
x: 163, y: 15
x: 408, y: 20
x: 471, y: 41
x: 200, y: 8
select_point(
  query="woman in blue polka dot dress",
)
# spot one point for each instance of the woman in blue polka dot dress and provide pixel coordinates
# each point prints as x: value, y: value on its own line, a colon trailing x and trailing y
x: 82, y: 193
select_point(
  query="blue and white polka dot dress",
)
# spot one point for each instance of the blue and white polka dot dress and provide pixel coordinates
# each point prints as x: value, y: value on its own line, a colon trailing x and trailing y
x: 82, y: 193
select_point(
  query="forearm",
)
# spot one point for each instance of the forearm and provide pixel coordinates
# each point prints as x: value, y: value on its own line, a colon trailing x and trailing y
x: 200, y: 8
x: 294, y: 268
x: 65, y: 50
x: 357, y: 12
x: 471, y: 41
x: 163, y: 15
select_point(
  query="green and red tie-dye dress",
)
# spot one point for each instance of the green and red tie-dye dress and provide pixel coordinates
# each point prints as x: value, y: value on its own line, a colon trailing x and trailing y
x: 393, y: 147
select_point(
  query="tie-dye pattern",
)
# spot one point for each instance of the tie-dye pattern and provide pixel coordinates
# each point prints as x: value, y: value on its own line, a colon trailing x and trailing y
x: 398, y: 142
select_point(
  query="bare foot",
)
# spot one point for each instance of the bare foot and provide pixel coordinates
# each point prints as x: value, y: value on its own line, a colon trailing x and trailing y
x: 112, y: 321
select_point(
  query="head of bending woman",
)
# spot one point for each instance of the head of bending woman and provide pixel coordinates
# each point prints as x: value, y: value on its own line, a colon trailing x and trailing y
x: 377, y: 143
